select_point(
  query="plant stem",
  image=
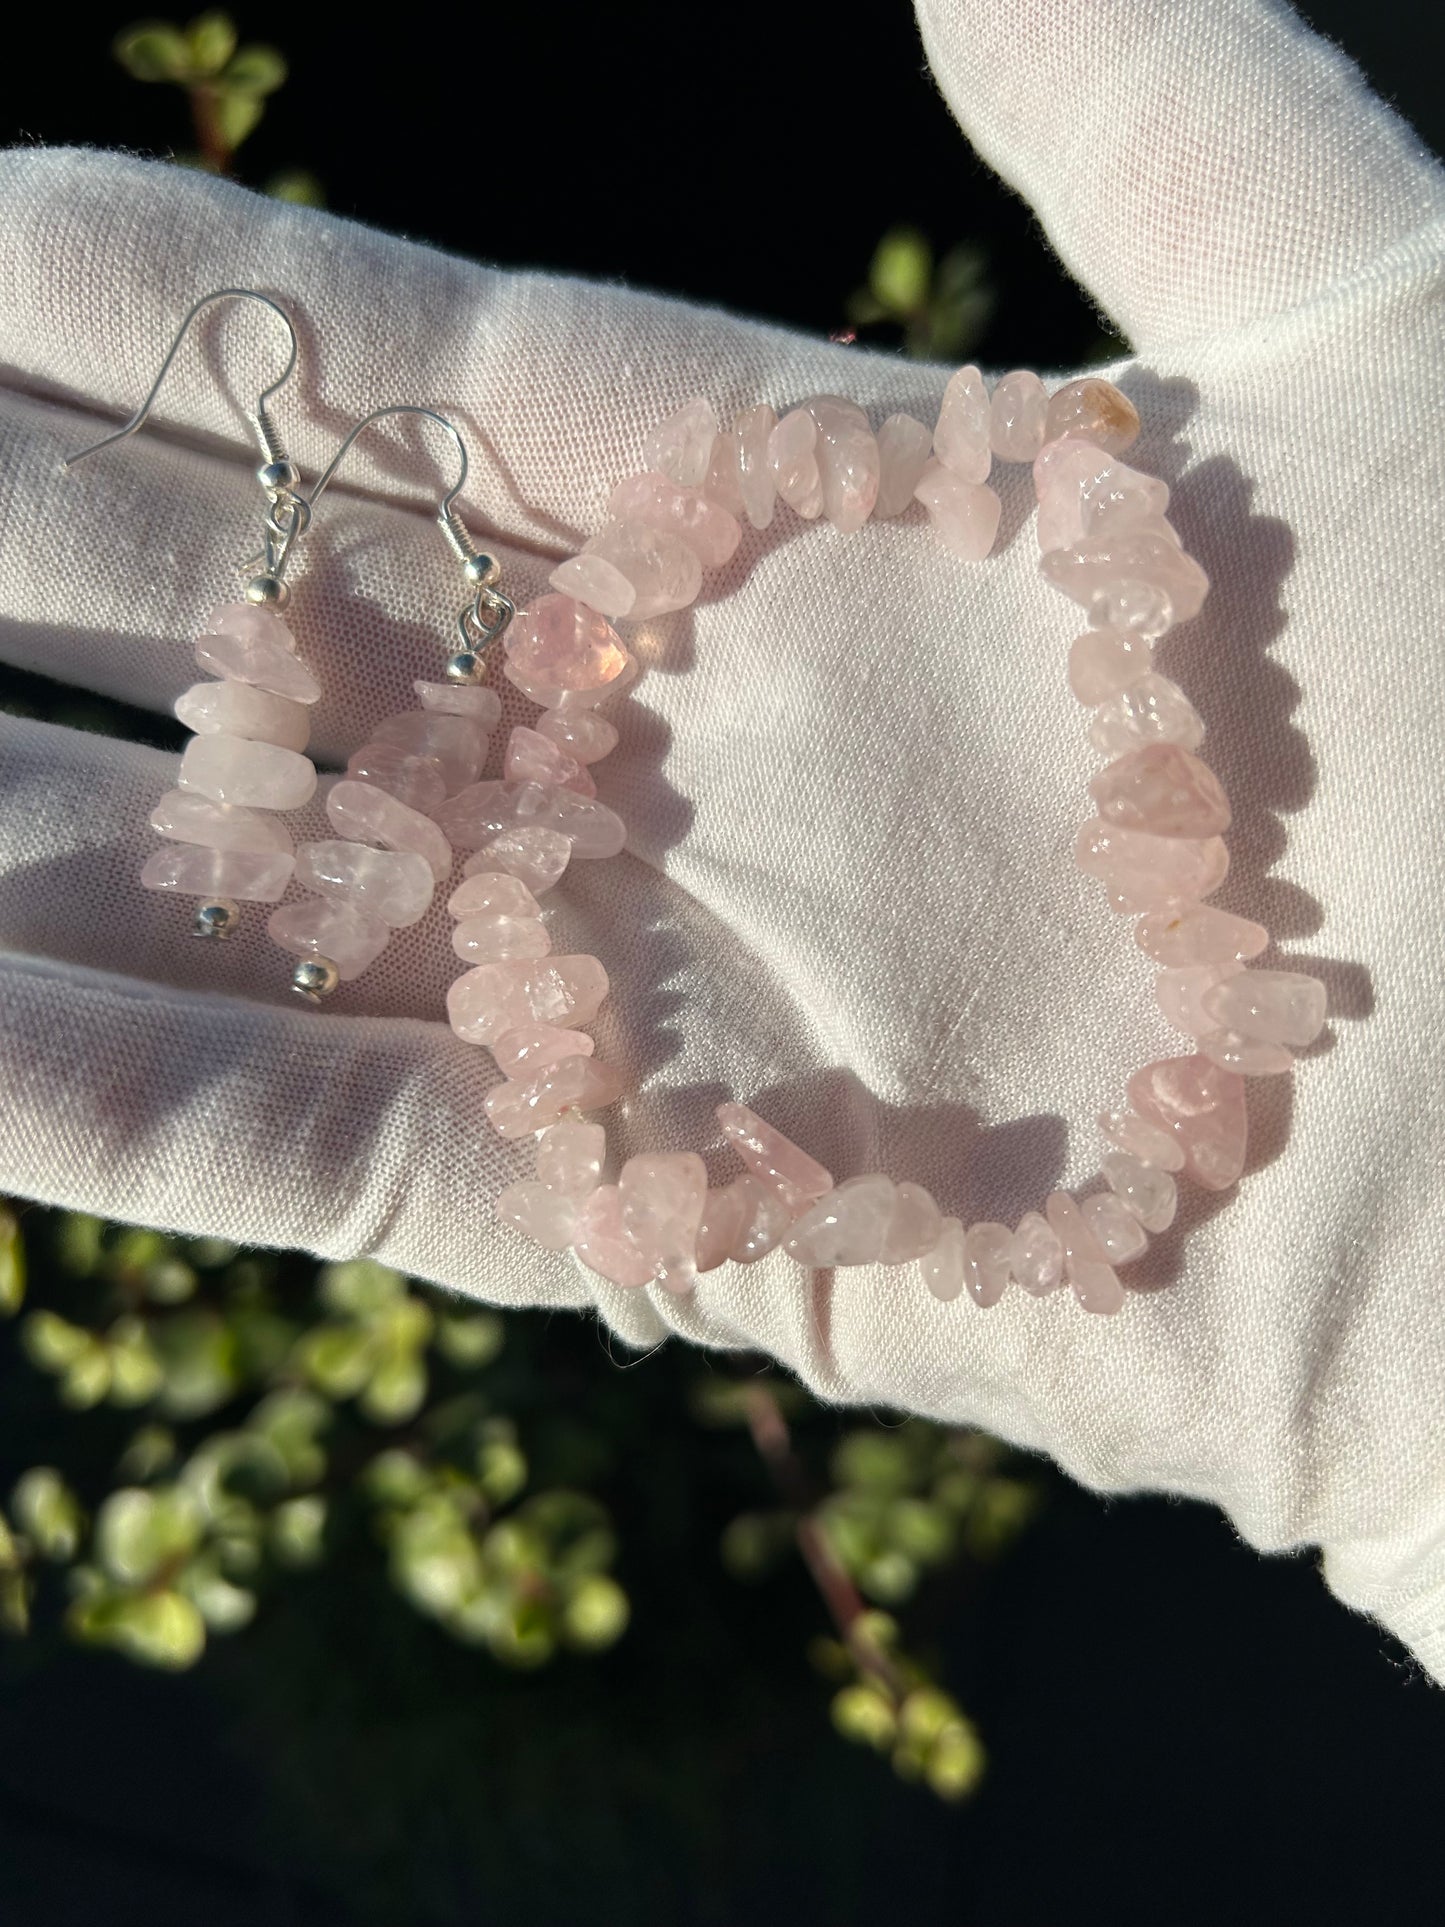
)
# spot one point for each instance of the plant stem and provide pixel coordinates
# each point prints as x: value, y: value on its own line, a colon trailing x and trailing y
x: 215, y: 151
x: 846, y: 1606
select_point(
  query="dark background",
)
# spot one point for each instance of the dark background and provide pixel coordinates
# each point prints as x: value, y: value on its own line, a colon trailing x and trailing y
x: 1179, y: 1731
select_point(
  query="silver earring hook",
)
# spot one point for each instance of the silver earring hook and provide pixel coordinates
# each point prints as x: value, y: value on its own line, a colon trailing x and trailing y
x: 259, y: 419
x: 489, y: 611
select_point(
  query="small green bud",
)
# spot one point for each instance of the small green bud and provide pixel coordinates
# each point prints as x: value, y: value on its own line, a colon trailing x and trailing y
x: 153, y: 51
x: 901, y: 271
x: 596, y: 1614
x: 48, y: 1513
x: 210, y: 42
x: 863, y: 1713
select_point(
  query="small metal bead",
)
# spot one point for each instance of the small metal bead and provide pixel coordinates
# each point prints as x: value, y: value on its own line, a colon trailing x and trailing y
x: 267, y: 590
x: 315, y: 978
x: 466, y: 666
x: 276, y: 477
x: 482, y: 570
x: 217, y: 919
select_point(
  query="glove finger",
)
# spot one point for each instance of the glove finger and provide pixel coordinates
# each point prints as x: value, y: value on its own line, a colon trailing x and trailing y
x: 554, y: 382
x: 1198, y: 166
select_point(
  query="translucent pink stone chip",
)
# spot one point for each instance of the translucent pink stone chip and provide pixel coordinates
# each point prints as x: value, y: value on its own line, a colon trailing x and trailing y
x: 1179, y: 994
x: 662, y: 568
x: 534, y: 758
x: 1096, y: 410
x: 1144, y: 872
x: 259, y: 776
x: 1104, y: 661
x: 848, y: 1226
x: 369, y: 815
x: 774, y: 1159
x: 481, y: 706
x: 457, y: 743
x: 1146, y: 1141
x: 988, y: 1251
x: 1096, y: 1286
x: 535, y: 857
x: 662, y: 1196
x: 753, y: 428
x: 1199, y: 933
x: 793, y: 460
x: 490, y: 937
x: 486, y: 1002
x: 532, y: 1047
x: 1038, y: 1261
x: 1273, y: 1006
x: 1140, y: 579
x: 846, y: 451
x: 481, y: 812
x: 1203, y: 1107
x: 570, y: 1157
x: 494, y: 890
x: 393, y: 885
x: 1151, y: 710
x: 660, y: 503
x: 603, y: 1244
x: 961, y: 435
x: 1116, y: 1231
x: 1148, y: 1193
x: 253, y: 646
x: 1016, y: 416
x: 581, y: 733
x: 964, y: 515
x: 544, y: 1216
x: 188, y: 817
x: 240, y: 709
x: 914, y: 1228
x: 552, y: 696
x: 681, y: 446
x: 565, y: 644
x: 942, y: 1267
x: 520, y: 1106
x: 1163, y: 789
x: 338, y: 932
x: 904, y: 446
x: 251, y: 876
x: 414, y: 780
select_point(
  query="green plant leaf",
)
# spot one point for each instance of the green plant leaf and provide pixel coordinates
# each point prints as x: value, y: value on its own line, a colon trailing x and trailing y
x: 12, y: 1264
x: 152, y: 50
x: 298, y: 185
x: 360, y: 1287
x: 864, y: 1713
x: 51, y: 1342
x: 470, y: 1342
x: 237, y: 115
x: 257, y: 69
x: 297, y: 1531
x: 139, y: 1531
x: 396, y: 1391
x: 157, y: 1628
x: 596, y: 1613
x: 210, y: 42
x: 48, y: 1513
x: 901, y: 271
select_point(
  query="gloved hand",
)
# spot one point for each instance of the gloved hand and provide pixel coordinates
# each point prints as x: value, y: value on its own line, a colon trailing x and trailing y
x: 851, y: 779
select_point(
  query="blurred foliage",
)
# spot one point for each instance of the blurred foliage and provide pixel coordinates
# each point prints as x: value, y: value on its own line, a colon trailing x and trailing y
x: 259, y: 1416
x: 226, y: 86
x: 940, y: 309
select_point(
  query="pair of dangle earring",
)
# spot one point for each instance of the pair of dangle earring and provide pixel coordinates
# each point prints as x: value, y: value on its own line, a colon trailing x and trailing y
x: 226, y: 843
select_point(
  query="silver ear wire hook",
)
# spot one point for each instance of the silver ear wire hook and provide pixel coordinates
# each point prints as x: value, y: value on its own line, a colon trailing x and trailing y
x: 288, y: 512
x: 488, y: 612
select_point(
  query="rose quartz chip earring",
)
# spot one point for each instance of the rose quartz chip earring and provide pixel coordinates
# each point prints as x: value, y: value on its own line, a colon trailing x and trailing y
x: 380, y: 871
x: 225, y: 842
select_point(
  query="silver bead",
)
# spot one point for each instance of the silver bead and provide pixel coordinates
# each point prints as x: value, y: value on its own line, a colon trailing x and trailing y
x: 267, y: 590
x: 482, y: 570
x: 315, y: 978
x: 466, y: 666
x: 217, y: 919
x: 278, y: 477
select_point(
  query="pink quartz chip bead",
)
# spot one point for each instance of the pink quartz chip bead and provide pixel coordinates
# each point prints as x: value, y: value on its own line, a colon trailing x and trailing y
x: 1095, y: 1283
x: 1114, y: 1227
x: 1016, y: 416
x: 1199, y: 934
x: 570, y: 1156
x: 1272, y: 1006
x: 594, y: 581
x: 548, y: 1218
x: 1104, y: 661
x: 663, y: 1196
x: 581, y: 733
x: 550, y: 695
x: 566, y: 644
x: 846, y: 451
x: 904, y: 446
x: 492, y: 890
x: 1144, y: 1141
x: 240, y: 709
x: 1144, y: 872
x: 457, y: 743
x: 260, y: 652
x: 1138, y: 579
x: 1150, y: 1194
x: 1038, y: 1255
x: 492, y: 937
x: 1086, y: 494
x: 1203, y: 1107
x: 964, y: 515
x: 658, y: 502
x: 681, y: 445
x: 942, y: 1268
x: 662, y: 568
x: 369, y: 815
x: 185, y: 816
x: 848, y: 1226
x: 532, y: 1047
x: 536, y: 857
x: 723, y: 482
x: 1163, y: 789
x: 1179, y: 993
x: 1095, y: 410
x: 414, y: 780
x: 521, y: 1106
x: 1150, y: 710
x: 793, y: 459
x: 395, y: 886
x: 477, y: 814
x: 258, y: 776
x: 338, y: 932
x: 483, y: 1004
x: 603, y: 1244
x: 988, y: 1251
x: 533, y: 758
x: 480, y: 706
x: 796, y: 1178
x: 196, y: 869
x: 1250, y: 1056
x: 724, y: 1216
x: 914, y: 1228
x: 759, y: 491
x: 961, y: 434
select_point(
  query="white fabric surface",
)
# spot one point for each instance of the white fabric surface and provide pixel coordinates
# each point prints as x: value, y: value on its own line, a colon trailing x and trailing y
x: 852, y: 777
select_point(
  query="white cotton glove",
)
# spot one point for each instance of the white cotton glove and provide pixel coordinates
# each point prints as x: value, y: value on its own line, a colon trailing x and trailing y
x: 851, y: 776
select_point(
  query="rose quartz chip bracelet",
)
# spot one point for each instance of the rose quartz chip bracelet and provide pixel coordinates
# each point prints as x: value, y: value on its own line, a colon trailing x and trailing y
x: 1155, y: 841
